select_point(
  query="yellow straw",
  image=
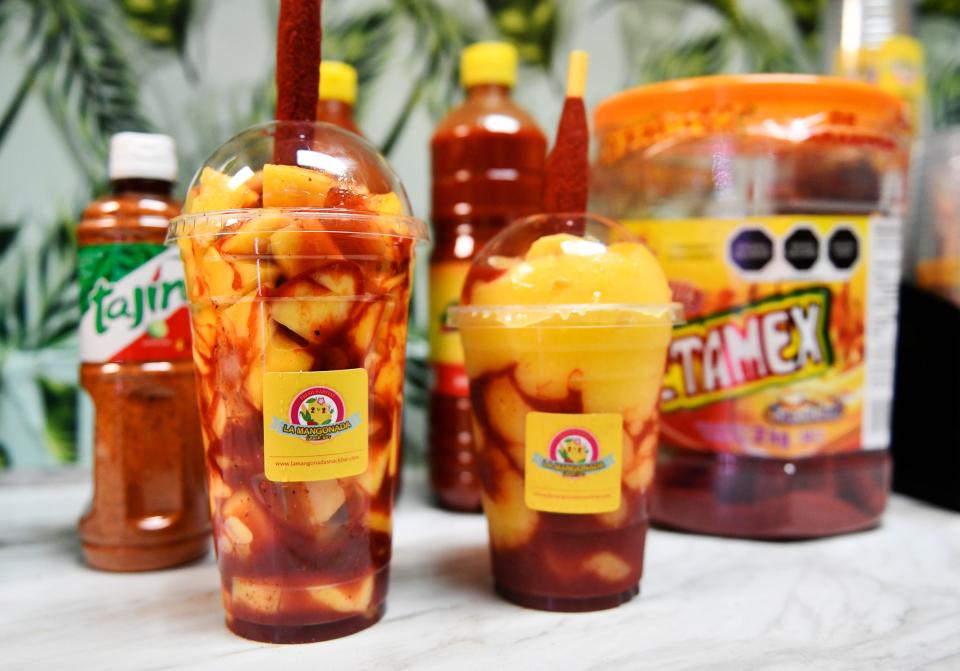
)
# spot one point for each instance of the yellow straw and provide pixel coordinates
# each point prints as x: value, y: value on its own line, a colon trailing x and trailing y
x: 577, y: 74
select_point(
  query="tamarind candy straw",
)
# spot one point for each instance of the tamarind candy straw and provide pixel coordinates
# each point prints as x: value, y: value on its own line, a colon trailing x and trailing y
x: 566, y: 179
x: 298, y: 72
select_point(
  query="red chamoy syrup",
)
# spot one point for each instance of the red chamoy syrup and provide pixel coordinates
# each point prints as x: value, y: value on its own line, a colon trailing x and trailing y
x: 488, y: 161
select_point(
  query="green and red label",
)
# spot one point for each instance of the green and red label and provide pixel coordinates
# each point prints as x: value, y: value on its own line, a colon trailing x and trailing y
x: 133, y: 303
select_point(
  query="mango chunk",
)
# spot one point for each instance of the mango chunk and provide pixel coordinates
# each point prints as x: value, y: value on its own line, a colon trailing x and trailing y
x: 204, y: 323
x: 286, y: 356
x: 387, y: 204
x: 309, y: 310
x: 293, y: 186
x: 303, y: 246
x: 259, y: 597
x: 325, y: 499
x: 506, y: 409
x: 510, y: 522
x: 353, y: 598
x: 216, y: 191
x: 251, y: 275
x: 245, y: 522
x: 372, y: 479
x: 217, y: 274
x: 607, y: 566
x: 241, y: 324
x: 253, y: 236
x: 365, y: 328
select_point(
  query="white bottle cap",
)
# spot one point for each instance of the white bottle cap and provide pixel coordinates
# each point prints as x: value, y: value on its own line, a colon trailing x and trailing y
x: 143, y: 156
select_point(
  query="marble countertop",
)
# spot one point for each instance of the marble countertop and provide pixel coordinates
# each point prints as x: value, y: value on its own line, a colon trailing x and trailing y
x: 885, y: 599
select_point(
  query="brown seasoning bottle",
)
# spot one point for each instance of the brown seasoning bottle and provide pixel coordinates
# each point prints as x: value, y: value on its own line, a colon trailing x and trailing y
x: 149, y: 508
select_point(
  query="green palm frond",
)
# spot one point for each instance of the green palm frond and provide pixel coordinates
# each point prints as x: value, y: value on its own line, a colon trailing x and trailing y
x: 60, y: 419
x: 667, y: 39
x: 39, y: 297
x: 364, y: 41
x: 441, y: 34
x: 160, y: 23
x: 530, y: 24
x: 940, y: 36
x: 88, y: 82
x: 948, y: 8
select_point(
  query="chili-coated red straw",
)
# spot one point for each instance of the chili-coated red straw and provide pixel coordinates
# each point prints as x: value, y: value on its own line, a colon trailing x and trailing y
x: 567, y: 171
x: 298, y: 70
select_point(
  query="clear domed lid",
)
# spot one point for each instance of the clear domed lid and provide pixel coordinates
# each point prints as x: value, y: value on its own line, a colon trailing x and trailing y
x: 302, y: 165
x: 565, y: 266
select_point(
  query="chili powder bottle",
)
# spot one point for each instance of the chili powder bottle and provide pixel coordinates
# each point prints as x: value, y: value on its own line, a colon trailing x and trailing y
x: 488, y: 158
x: 149, y: 507
x: 338, y: 95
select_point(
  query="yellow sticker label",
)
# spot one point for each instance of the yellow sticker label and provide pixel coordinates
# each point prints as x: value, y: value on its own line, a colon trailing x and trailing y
x: 315, y: 425
x: 573, y: 462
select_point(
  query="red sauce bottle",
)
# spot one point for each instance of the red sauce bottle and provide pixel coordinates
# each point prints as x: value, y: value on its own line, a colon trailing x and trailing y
x: 149, y: 507
x: 488, y: 158
x: 338, y: 95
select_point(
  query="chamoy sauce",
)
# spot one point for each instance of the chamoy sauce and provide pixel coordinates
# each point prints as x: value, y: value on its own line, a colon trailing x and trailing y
x: 338, y: 95
x: 774, y: 204
x: 487, y: 169
x: 149, y: 507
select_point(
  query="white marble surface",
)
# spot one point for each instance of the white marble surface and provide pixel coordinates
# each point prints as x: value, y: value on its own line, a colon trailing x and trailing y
x: 886, y: 599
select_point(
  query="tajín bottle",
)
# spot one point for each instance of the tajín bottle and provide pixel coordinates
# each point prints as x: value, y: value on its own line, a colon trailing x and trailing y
x: 149, y: 506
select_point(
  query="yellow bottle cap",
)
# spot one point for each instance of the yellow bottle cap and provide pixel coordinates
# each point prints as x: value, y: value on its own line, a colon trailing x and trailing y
x: 488, y: 63
x: 338, y: 81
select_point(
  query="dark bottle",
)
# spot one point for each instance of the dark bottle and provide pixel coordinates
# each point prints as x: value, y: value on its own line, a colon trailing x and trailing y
x: 488, y: 157
x: 149, y: 507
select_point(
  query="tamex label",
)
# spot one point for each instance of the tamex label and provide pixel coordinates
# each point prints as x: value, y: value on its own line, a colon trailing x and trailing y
x: 788, y: 346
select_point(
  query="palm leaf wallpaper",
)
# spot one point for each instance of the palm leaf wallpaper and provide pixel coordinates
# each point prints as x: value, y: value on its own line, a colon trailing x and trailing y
x: 73, y: 72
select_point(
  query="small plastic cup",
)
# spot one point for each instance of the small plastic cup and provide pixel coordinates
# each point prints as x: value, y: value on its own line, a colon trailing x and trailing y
x: 565, y: 403
x: 299, y: 319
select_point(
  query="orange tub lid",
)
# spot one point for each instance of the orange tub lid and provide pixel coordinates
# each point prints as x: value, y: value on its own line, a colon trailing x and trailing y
x: 778, y: 93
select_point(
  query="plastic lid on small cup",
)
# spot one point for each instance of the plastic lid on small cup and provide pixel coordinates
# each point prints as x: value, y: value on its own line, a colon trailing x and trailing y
x: 520, y: 277
x: 303, y: 170
x: 142, y: 156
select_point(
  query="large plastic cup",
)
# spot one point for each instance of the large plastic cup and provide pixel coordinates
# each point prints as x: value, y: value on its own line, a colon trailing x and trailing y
x: 565, y: 404
x: 299, y: 320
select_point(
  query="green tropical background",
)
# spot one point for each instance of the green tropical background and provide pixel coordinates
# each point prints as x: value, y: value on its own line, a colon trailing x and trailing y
x: 73, y: 72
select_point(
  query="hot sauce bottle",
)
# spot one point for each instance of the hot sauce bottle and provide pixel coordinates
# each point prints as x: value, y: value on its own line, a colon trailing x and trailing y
x: 487, y: 169
x: 338, y: 95
x: 149, y: 507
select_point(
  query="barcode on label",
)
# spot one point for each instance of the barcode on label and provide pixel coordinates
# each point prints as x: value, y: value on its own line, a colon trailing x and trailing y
x: 883, y: 279
x: 876, y: 422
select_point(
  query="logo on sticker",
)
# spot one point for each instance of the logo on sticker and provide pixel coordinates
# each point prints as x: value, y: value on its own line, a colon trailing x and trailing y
x: 317, y: 414
x: 573, y: 453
